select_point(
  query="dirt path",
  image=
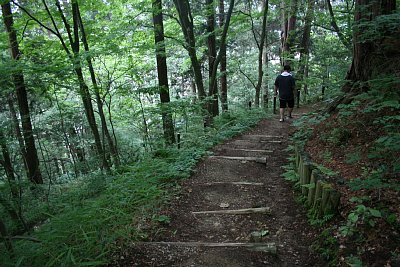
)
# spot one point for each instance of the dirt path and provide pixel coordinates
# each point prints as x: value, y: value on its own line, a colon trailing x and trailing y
x: 228, y: 181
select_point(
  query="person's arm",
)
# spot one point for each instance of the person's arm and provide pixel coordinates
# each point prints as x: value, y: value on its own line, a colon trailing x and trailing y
x: 276, y: 90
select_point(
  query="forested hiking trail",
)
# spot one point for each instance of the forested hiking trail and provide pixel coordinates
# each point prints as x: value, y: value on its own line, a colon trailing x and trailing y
x: 235, y: 210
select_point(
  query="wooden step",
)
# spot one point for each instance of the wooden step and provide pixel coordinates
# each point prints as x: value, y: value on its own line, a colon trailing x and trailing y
x: 265, y: 210
x: 263, y: 247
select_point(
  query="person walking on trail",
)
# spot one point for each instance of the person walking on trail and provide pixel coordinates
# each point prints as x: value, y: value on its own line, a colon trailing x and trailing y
x: 285, y: 86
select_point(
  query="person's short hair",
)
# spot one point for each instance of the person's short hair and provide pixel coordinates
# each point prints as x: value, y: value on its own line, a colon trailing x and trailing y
x: 287, y: 68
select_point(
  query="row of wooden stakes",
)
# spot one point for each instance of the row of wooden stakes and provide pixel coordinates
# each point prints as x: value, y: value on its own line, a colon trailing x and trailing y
x: 321, y: 197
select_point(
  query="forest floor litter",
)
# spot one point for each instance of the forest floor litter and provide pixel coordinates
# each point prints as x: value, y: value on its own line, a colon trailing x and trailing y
x: 235, y: 210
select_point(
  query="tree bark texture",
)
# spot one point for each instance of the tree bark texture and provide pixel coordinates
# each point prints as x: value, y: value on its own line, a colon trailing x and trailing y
x: 372, y: 57
x: 32, y: 159
x: 288, y: 33
x: 223, y: 77
x: 261, y: 47
x: 222, y: 53
x: 186, y: 21
x: 305, y: 45
x: 212, y: 54
x: 162, y: 72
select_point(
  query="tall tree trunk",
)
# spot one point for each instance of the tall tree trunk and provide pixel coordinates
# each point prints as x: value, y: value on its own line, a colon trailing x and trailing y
x: 99, y: 101
x: 223, y: 77
x: 222, y: 52
x: 212, y: 54
x: 305, y: 47
x: 370, y: 55
x: 162, y: 72
x: 264, y: 84
x: 288, y: 35
x: 75, y: 60
x: 261, y: 47
x: 84, y: 89
x: 186, y: 21
x: 32, y: 159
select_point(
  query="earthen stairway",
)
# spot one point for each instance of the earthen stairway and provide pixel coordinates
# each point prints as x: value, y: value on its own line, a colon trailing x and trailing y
x: 236, y: 210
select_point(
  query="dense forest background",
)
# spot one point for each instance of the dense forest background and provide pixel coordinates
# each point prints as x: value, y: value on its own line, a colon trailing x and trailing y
x: 105, y: 105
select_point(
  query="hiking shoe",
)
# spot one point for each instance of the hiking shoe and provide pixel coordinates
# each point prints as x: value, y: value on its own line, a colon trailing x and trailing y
x: 281, y: 120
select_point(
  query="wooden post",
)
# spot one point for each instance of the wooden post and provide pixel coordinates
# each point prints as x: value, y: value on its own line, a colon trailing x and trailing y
x: 311, y: 192
x: 326, y: 191
x: 306, y: 177
x: 249, y: 104
x: 318, y: 194
x: 274, y: 108
x: 178, y: 137
x: 300, y: 170
x: 333, y: 202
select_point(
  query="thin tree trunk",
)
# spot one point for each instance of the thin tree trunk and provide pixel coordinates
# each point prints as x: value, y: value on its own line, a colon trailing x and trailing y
x: 223, y: 77
x: 16, y: 218
x: 32, y: 159
x: 17, y: 131
x: 264, y: 85
x: 113, y: 149
x: 67, y: 142
x: 260, y: 52
x: 222, y: 53
x: 84, y: 90
x: 288, y: 31
x: 7, y: 164
x: 305, y: 46
x: 162, y: 72
x: 7, y: 239
x: 186, y: 21
x: 75, y: 60
x: 212, y: 54
x: 334, y: 25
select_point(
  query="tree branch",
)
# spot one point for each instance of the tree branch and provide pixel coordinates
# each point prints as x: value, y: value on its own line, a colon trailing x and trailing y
x: 247, y: 77
x: 342, y: 38
x: 34, y: 18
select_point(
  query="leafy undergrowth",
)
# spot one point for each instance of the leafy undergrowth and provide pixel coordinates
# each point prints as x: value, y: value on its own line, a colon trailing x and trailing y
x: 359, y: 144
x: 91, y: 218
